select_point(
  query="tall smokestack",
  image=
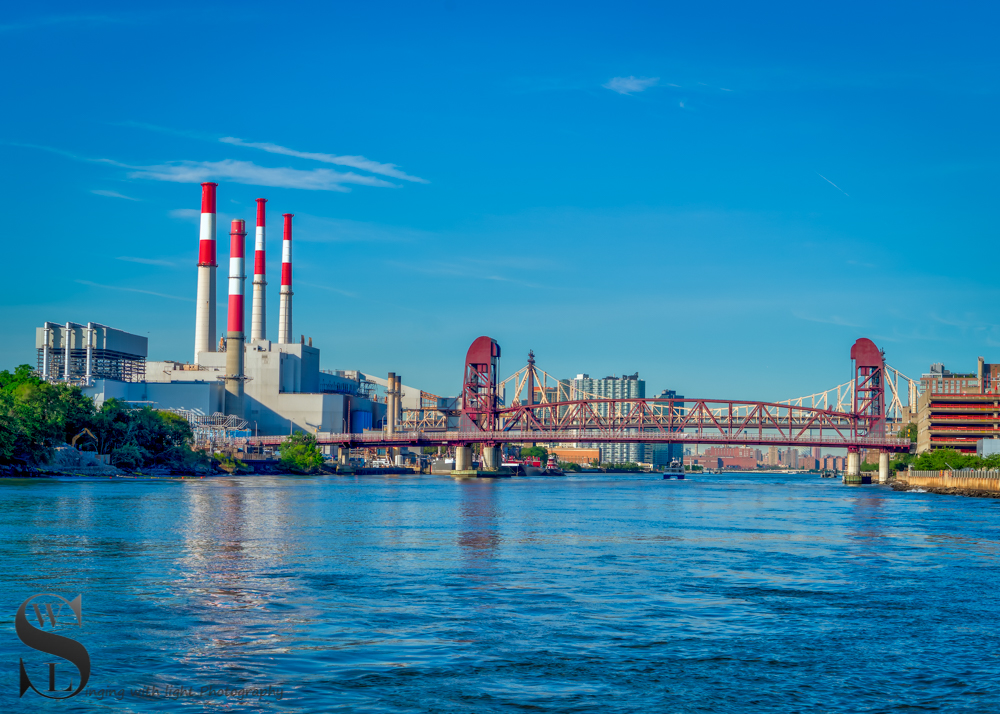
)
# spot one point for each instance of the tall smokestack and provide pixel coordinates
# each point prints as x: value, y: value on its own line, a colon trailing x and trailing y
x: 204, y: 319
x: 258, y: 317
x: 234, y: 334
x: 285, y: 304
x: 390, y: 403
x: 398, y: 399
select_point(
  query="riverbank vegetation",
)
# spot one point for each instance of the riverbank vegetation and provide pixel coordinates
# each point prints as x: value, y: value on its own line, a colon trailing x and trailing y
x: 36, y: 417
x: 300, y: 454
x: 627, y: 467
x: 946, y: 460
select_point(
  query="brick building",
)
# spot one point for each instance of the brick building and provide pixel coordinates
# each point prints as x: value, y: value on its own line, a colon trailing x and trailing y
x: 955, y: 410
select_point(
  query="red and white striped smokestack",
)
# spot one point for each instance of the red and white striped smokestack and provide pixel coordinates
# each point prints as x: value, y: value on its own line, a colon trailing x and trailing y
x: 285, y: 305
x: 237, y: 275
x: 204, y: 319
x: 258, y: 315
x: 234, y: 335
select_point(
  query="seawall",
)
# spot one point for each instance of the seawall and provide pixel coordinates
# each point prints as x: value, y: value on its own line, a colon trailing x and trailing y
x: 969, y: 483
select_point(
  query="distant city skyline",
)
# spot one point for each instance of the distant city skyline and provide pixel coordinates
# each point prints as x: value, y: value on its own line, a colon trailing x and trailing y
x: 718, y: 198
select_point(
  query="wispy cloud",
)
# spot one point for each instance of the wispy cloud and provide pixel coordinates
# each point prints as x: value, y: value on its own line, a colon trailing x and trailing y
x: 463, y: 269
x: 247, y: 172
x: 112, y: 194
x: 356, y: 162
x: 833, y: 184
x: 831, y: 320
x: 630, y: 85
x: 67, y: 154
x: 145, y: 261
x: 133, y: 290
x: 189, y: 215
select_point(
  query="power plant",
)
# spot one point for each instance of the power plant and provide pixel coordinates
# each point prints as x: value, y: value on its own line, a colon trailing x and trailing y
x: 275, y: 387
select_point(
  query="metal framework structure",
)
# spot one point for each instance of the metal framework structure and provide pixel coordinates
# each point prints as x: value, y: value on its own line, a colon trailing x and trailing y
x: 428, y: 416
x: 480, y: 392
x: 214, y: 429
x: 586, y: 418
x: 869, y: 386
x: 105, y: 364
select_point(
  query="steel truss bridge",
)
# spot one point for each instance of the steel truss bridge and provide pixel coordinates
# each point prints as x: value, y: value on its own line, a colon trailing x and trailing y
x: 853, y: 415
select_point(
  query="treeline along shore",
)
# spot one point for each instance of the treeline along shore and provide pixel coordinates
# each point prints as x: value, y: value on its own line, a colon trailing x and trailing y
x: 49, y: 428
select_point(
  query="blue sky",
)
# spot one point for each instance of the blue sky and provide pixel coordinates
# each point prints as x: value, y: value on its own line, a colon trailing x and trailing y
x: 721, y: 196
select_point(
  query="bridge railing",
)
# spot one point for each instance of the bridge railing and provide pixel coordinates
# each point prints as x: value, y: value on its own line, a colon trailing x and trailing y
x: 627, y: 435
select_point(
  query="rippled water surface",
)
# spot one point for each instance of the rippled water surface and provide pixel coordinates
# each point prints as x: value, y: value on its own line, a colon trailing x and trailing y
x: 622, y: 593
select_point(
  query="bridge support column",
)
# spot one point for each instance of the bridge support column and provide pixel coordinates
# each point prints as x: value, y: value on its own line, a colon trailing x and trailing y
x: 883, y: 466
x: 853, y: 472
x: 491, y: 457
x: 342, y: 455
x: 463, y: 458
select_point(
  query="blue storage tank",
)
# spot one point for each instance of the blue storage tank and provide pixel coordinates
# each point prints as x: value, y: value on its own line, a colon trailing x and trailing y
x: 360, y: 421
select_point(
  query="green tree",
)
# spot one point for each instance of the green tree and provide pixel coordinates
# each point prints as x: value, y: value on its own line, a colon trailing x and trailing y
x: 945, y: 459
x: 535, y: 452
x: 35, y: 416
x: 908, y: 431
x: 301, y: 454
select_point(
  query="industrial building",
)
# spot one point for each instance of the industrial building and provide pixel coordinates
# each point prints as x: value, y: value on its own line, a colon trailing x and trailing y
x: 955, y: 411
x: 77, y: 353
x: 274, y: 387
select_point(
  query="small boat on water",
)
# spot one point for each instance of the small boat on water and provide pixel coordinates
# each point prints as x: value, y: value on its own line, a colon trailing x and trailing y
x: 675, y: 470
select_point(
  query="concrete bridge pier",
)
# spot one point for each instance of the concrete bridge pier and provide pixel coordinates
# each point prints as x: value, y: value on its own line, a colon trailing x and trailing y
x: 491, y: 457
x: 883, y: 466
x: 853, y: 473
x: 342, y: 456
x: 463, y: 458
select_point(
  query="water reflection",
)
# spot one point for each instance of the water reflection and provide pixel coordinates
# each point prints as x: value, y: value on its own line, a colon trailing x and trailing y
x: 479, y: 532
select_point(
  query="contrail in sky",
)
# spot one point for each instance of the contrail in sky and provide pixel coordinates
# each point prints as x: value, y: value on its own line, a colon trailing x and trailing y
x: 833, y: 184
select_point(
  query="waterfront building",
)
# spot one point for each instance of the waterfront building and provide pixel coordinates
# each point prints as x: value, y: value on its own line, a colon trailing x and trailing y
x: 730, y: 457
x: 957, y: 410
x: 938, y: 380
x: 575, y: 455
x: 285, y: 389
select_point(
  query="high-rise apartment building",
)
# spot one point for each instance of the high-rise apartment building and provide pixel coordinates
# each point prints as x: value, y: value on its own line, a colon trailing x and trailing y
x: 626, y: 387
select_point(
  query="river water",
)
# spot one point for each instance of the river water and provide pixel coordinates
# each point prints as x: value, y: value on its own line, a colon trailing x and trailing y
x: 615, y: 593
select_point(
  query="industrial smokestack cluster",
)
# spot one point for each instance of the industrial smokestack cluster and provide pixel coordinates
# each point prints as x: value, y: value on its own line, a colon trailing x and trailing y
x: 205, y: 322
